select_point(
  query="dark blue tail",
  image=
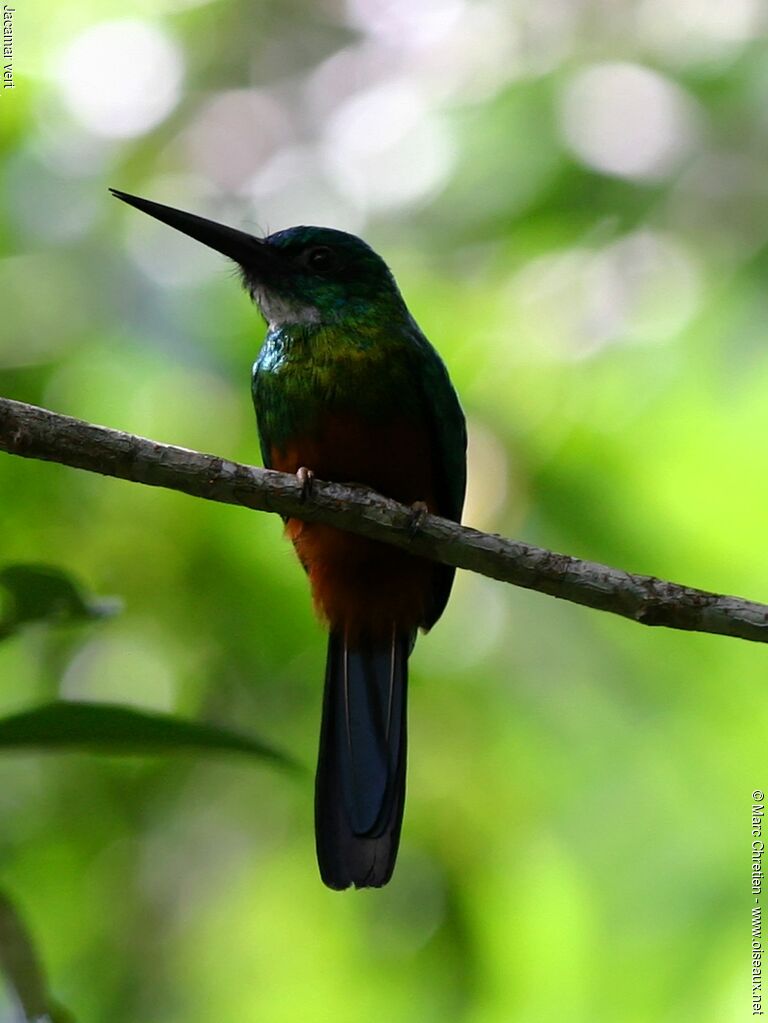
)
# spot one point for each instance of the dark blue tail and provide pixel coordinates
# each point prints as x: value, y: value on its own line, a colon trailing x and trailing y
x: 360, y: 783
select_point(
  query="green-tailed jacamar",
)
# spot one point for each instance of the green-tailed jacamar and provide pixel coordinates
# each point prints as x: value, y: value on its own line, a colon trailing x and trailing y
x: 347, y: 388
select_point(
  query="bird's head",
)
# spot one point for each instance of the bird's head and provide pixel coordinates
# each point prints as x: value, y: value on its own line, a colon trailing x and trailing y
x: 300, y: 275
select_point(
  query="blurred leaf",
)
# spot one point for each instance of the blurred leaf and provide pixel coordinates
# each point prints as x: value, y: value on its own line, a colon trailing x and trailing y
x: 44, y: 593
x: 113, y: 729
x: 22, y: 969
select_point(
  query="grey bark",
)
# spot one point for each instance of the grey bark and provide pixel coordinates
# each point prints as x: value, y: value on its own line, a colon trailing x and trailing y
x: 33, y: 432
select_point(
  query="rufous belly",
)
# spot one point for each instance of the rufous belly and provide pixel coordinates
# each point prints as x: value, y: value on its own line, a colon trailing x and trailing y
x: 360, y: 585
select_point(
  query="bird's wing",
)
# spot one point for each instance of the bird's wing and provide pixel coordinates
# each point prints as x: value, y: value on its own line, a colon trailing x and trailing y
x: 448, y: 431
x: 447, y: 426
x: 260, y: 399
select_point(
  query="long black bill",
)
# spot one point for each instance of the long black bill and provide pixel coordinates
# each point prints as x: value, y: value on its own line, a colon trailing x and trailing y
x: 242, y: 247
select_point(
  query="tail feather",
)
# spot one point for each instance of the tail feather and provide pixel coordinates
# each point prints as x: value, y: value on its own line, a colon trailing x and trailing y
x: 360, y: 784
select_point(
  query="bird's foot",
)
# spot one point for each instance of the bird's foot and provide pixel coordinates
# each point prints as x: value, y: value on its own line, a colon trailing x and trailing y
x: 419, y: 512
x: 305, y: 477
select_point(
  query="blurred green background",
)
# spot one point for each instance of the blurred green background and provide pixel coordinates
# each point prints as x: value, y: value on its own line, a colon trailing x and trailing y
x: 573, y: 199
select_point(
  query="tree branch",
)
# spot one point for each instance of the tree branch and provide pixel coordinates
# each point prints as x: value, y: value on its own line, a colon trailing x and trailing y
x: 34, y: 432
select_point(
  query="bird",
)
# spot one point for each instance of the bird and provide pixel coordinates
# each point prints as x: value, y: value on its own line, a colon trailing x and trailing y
x: 348, y: 389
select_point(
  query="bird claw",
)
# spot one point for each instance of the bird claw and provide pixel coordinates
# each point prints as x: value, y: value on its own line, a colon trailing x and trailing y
x: 305, y: 477
x: 419, y: 512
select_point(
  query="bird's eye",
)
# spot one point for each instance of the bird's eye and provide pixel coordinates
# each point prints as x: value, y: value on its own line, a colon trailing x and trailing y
x: 320, y: 258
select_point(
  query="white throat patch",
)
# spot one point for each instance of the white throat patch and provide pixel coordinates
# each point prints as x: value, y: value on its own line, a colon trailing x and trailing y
x: 278, y: 311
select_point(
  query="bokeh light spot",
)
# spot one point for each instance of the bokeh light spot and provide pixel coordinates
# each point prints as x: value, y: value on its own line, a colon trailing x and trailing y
x: 691, y: 30
x: 404, y: 22
x: 628, y: 121
x: 120, y: 78
x: 487, y: 476
x: 386, y: 149
x: 292, y: 189
x: 234, y: 133
x: 643, y: 287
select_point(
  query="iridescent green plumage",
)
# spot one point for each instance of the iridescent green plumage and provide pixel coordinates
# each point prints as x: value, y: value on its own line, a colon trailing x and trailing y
x: 347, y: 386
x: 345, y: 337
